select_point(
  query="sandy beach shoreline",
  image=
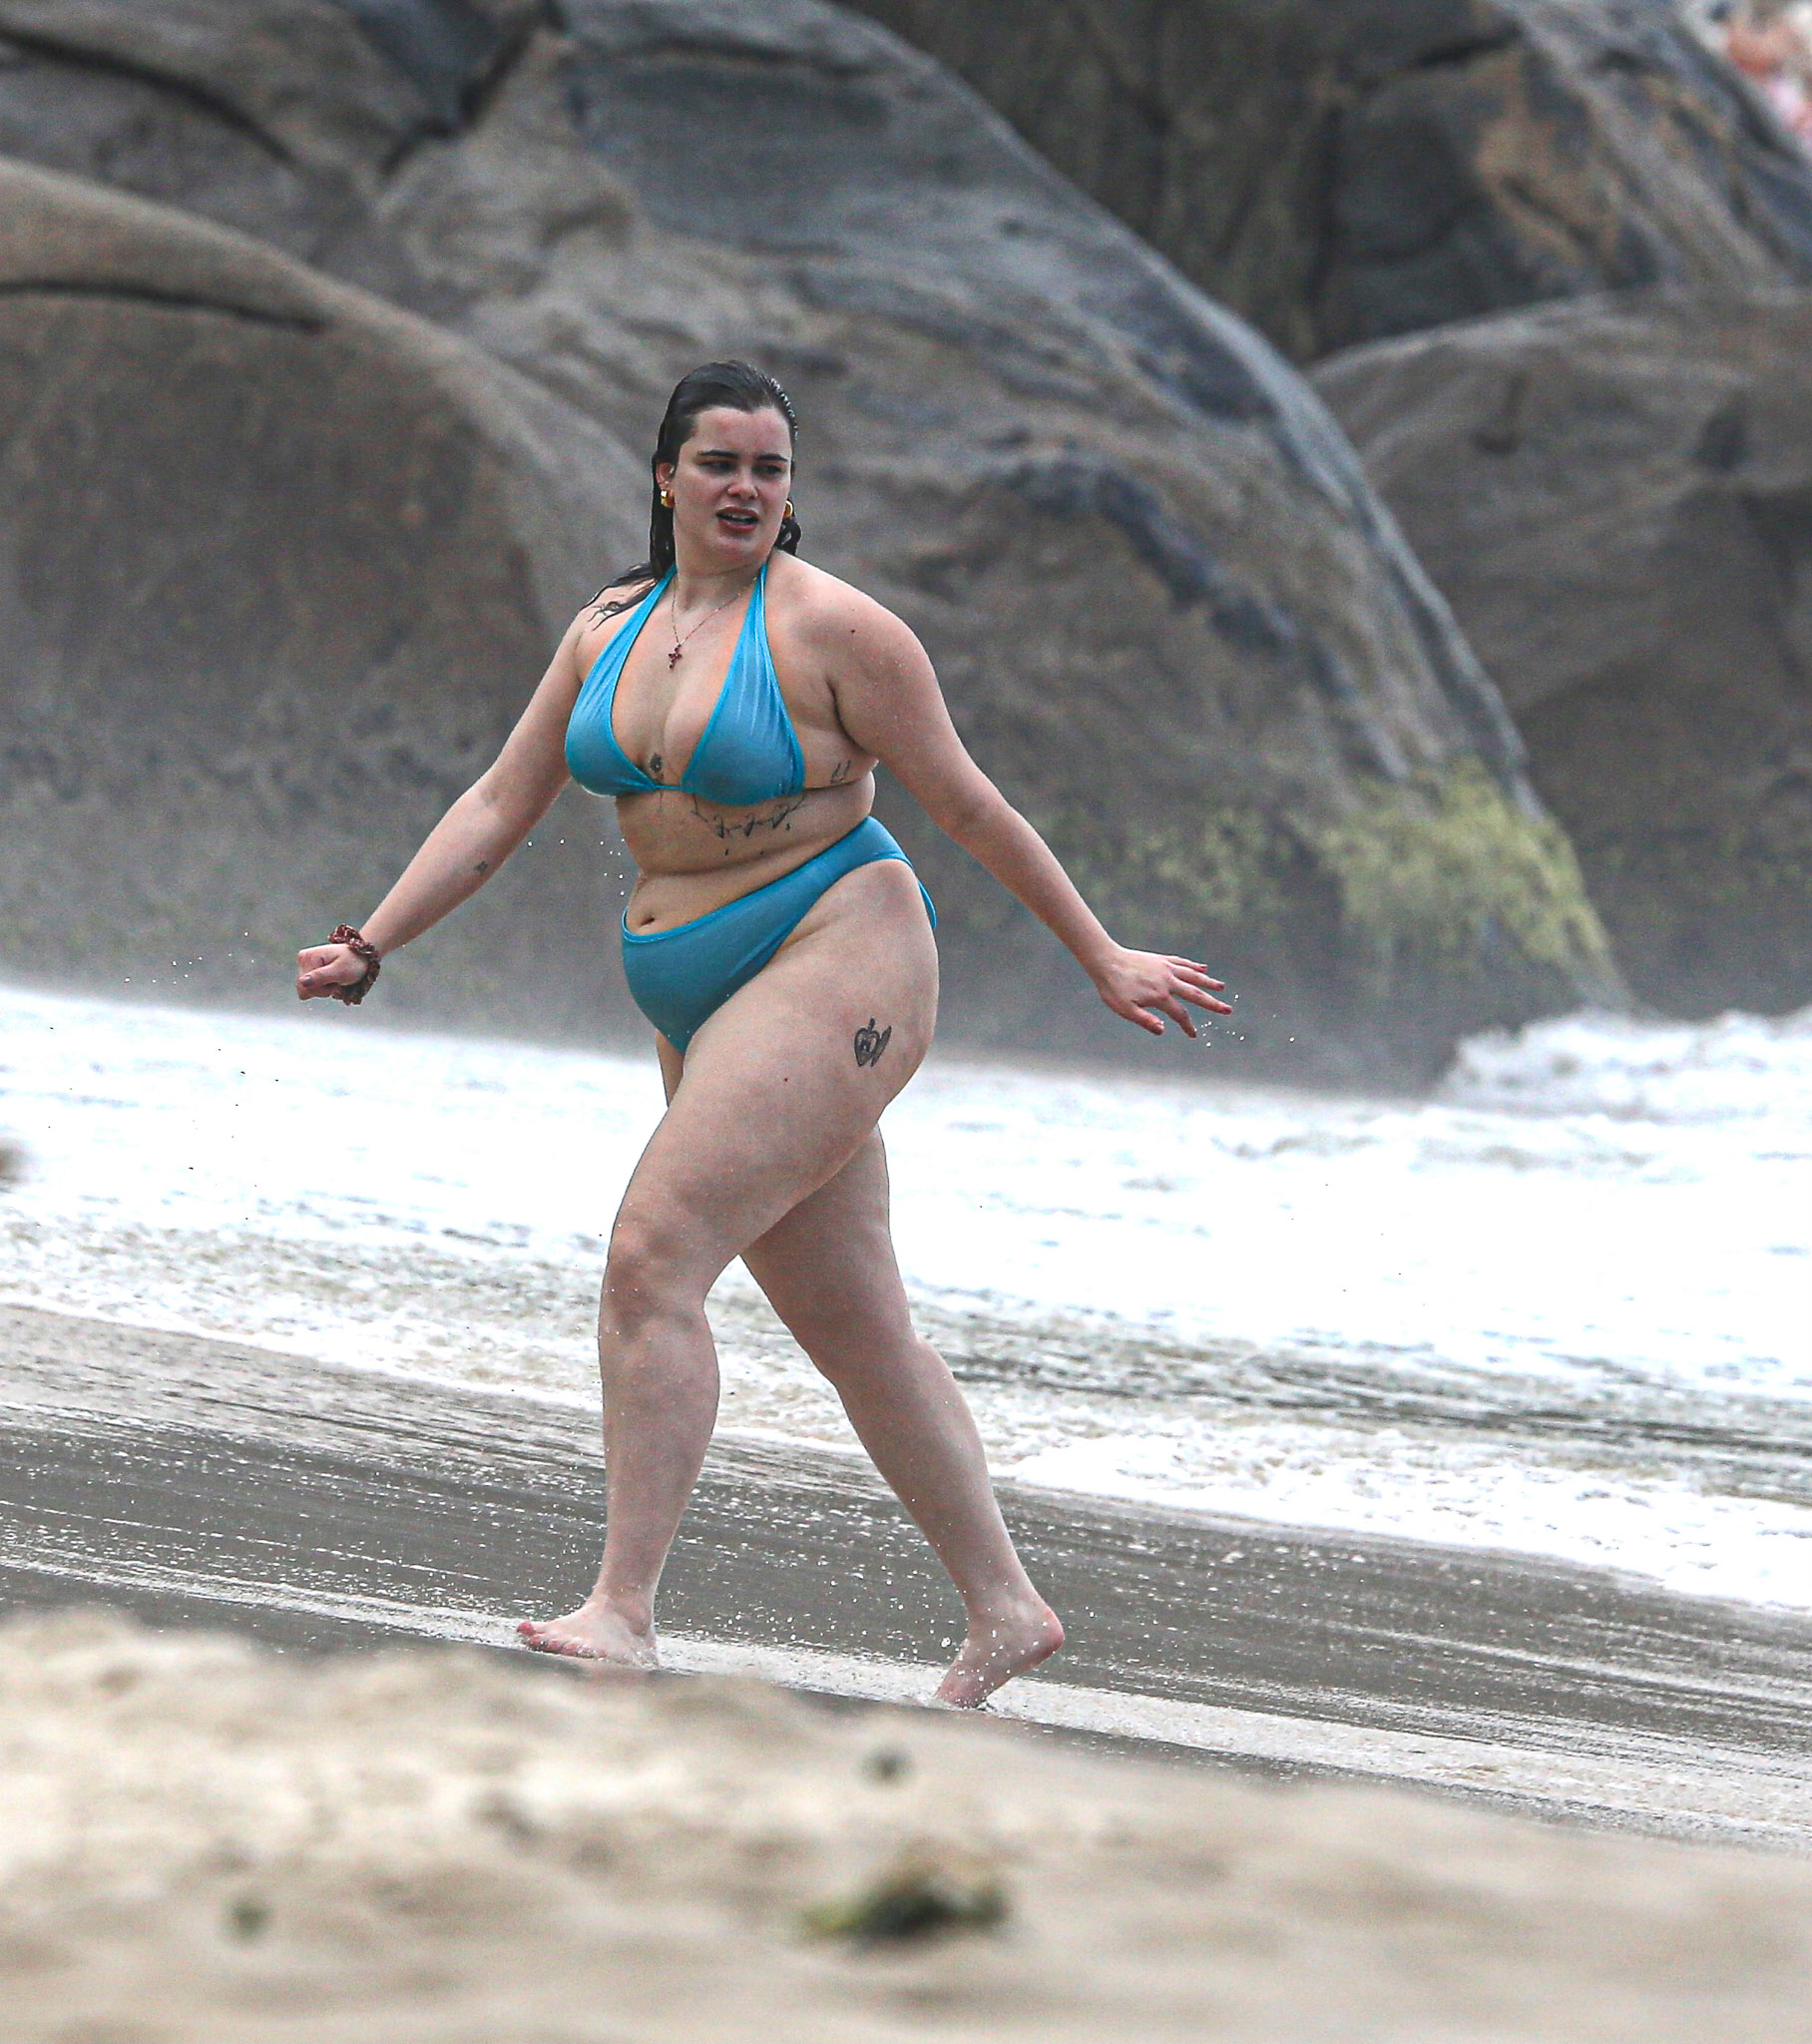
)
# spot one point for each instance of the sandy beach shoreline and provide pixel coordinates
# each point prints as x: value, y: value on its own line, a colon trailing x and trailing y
x: 203, y: 1838
x: 197, y: 1483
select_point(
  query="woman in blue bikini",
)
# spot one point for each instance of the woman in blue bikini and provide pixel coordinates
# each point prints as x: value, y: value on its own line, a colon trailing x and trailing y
x: 736, y: 701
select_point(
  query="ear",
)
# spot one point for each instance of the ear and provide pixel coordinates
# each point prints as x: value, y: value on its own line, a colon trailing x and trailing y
x: 665, y: 472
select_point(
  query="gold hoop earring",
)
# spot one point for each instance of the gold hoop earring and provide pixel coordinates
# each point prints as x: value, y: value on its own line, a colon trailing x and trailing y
x: 789, y: 507
x: 666, y: 500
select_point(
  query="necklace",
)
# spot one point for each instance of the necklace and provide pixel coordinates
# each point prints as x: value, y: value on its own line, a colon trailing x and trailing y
x: 672, y: 659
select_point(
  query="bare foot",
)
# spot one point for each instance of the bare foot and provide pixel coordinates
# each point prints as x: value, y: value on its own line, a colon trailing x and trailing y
x: 595, y: 1631
x: 998, y: 1648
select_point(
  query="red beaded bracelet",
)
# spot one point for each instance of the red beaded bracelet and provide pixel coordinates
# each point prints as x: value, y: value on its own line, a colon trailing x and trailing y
x: 360, y: 946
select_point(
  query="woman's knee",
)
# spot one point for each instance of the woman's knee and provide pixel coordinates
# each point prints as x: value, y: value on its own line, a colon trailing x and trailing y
x: 847, y: 1348
x: 651, y: 1269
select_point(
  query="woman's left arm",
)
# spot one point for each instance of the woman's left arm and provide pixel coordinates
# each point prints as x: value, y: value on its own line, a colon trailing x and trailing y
x: 890, y: 704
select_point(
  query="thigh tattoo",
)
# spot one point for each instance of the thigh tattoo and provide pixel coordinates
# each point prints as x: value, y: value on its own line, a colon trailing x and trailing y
x: 870, y: 1043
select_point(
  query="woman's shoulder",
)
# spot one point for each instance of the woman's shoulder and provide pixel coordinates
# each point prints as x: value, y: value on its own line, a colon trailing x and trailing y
x: 621, y: 595
x: 598, y: 619
x: 826, y: 610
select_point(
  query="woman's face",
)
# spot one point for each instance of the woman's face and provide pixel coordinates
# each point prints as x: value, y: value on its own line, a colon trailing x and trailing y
x: 729, y: 488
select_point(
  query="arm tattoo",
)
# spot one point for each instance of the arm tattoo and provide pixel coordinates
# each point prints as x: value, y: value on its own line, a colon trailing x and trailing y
x: 870, y: 1043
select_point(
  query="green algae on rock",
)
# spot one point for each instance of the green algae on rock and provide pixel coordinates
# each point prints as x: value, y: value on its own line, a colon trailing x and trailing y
x: 1422, y: 891
x: 1447, y: 876
x: 1613, y: 495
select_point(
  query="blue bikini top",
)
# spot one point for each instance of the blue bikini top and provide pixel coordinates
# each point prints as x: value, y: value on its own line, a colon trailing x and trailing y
x: 749, y: 753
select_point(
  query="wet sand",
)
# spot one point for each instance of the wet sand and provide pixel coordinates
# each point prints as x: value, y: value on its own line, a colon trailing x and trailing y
x: 191, y: 1482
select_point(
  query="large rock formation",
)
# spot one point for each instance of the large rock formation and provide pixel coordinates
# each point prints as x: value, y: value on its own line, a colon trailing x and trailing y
x: 1171, y: 616
x: 1341, y: 170
x: 1618, y: 498
x: 275, y: 562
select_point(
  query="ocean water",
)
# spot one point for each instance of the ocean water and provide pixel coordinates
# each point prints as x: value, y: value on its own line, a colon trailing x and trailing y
x: 1563, y: 1305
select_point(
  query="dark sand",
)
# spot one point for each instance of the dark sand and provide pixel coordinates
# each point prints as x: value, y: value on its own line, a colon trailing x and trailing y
x: 192, y: 1481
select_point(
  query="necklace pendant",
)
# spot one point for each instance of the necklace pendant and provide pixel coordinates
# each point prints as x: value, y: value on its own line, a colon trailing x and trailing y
x: 672, y: 659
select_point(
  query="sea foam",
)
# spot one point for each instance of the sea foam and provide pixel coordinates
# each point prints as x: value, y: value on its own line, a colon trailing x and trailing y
x: 1559, y: 1306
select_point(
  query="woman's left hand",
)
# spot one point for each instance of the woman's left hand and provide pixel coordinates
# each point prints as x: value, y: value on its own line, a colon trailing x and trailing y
x: 1142, y: 986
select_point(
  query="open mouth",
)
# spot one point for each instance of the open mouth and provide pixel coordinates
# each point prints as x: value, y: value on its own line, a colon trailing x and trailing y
x: 738, y: 521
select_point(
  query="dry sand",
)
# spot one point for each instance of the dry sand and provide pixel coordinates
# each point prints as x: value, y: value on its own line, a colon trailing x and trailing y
x: 200, y: 1839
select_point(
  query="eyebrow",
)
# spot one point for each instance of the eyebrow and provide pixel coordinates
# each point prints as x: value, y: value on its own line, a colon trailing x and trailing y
x: 735, y: 454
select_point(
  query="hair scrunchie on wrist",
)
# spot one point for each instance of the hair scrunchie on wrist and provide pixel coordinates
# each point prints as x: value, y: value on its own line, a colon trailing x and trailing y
x: 360, y: 946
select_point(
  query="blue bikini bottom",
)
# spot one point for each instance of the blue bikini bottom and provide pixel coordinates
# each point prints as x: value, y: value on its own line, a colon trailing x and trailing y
x: 680, y: 976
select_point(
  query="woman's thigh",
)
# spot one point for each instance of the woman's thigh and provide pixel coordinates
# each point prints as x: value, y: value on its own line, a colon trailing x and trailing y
x: 828, y: 1268
x: 781, y: 1086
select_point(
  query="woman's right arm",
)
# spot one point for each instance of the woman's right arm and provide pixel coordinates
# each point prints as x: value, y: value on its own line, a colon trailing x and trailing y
x: 476, y: 834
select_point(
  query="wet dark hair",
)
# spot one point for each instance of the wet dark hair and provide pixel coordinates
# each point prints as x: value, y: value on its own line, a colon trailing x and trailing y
x: 735, y: 387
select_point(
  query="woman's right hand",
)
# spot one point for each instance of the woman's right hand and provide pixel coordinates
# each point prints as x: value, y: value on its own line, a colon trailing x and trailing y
x: 323, y: 967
